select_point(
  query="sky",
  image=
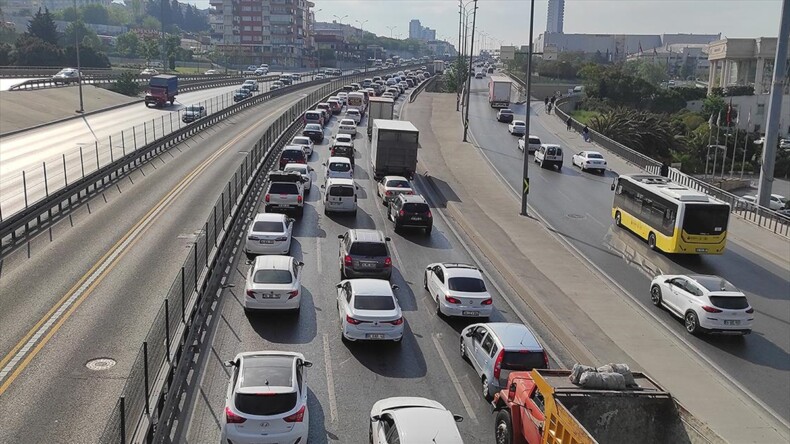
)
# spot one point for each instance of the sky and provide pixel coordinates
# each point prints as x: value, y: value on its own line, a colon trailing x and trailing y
x: 507, y: 21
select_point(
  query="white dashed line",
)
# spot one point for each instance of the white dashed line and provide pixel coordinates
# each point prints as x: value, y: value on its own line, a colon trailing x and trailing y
x: 454, y: 380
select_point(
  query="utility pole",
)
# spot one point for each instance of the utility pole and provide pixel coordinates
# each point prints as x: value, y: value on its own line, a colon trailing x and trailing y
x: 469, y: 75
x: 77, y: 48
x: 458, y: 64
x: 771, y: 139
x: 162, y: 42
x: 525, y: 169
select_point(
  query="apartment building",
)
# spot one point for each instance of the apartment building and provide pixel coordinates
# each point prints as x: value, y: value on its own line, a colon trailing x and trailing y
x: 251, y: 32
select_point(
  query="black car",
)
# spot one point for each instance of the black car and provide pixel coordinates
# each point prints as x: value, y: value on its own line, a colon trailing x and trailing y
x: 343, y: 150
x: 292, y: 154
x: 505, y: 115
x: 314, y: 132
x: 241, y: 94
x: 410, y: 210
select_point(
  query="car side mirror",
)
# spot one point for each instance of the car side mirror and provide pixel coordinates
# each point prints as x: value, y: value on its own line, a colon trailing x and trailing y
x: 395, y: 287
x: 458, y: 418
x: 339, y: 236
x: 322, y: 187
x: 469, y: 334
x: 668, y: 281
x: 229, y: 363
x: 338, y: 285
x: 300, y: 263
x: 386, y: 239
x: 612, y: 187
x: 307, y: 364
x: 376, y: 418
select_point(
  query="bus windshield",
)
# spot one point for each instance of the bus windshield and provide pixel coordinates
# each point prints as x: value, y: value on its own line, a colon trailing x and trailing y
x: 706, y: 219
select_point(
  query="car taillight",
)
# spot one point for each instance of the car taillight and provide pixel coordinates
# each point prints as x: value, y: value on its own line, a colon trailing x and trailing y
x: 299, y: 199
x: 398, y: 321
x: 250, y: 293
x: 498, y: 364
x: 347, y: 261
x: 281, y: 239
x: 401, y: 213
x: 293, y: 294
x: 711, y: 309
x: 232, y: 418
x: 488, y: 301
x: 266, y: 199
x: 352, y: 321
x: 252, y: 237
x: 546, y: 359
x: 388, y: 193
x: 750, y: 310
x: 387, y: 262
x: 451, y: 299
x: 296, y: 417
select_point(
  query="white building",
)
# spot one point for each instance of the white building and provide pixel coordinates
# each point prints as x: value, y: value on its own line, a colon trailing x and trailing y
x: 617, y: 47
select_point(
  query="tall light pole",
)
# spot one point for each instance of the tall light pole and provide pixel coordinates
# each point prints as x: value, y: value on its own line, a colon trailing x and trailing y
x: 469, y: 75
x: 340, y: 19
x: 317, y: 49
x: 771, y: 139
x: 391, y: 28
x: 525, y: 169
x: 361, y: 28
x: 79, y: 69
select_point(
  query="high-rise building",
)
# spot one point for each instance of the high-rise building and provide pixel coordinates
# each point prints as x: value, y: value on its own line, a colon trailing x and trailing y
x: 415, y: 29
x: 250, y: 32
x: 555, y: 16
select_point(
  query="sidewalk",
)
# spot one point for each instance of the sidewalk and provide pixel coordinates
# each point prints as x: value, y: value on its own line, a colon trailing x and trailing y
x: 24, y: 109
x: 595, y: 322
x: 761, y: 240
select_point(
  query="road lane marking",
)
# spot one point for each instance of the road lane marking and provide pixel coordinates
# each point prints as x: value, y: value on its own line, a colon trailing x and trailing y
x: 330, y: 385
x: 454, y: 380
x: 31, y: 344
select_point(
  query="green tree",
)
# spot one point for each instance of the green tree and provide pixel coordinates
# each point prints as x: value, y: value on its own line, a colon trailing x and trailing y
x: 42, y: 26
x: 5, y: 54
x: 152, y: 23
x: 89, y: 57
x: 69, y: 14
x: 149, y: 49
x: 95, y: 13
x: 119, y: 15
x: 714, y: 106
x: 128, y: 44
x: 126, y: 84
x: 32, y: 51
x: 88, y: 37
x: 646, y: 70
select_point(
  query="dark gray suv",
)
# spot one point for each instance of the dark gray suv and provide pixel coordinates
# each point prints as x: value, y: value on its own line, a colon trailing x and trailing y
x: 364, y: 254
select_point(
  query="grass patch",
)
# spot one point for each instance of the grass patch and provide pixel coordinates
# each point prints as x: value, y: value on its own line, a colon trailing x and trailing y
x: 584, y: 116
x: 190, y: 70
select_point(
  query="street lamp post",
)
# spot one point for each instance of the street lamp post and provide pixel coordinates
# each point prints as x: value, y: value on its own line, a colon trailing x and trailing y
x: 391, y: 28
x: 469, y: 74
x: 340, y: 19
x: 525, y: 169
x: 362, y: 28
x: 79, y: 68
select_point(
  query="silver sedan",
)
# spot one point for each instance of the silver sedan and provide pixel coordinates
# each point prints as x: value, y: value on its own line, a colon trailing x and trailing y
x: 389, y: 187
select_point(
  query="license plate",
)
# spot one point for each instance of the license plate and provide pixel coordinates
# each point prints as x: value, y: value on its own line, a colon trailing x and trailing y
x: 270, y: 296
x: 368, y: 264
x: 416, y: 218
x: 732, y: 322
x: 334, y: 203
x: 282, y: 206
x: 701, y: 250
x: 374, y: 336
x: 267, y: 241
x: 470, y: 313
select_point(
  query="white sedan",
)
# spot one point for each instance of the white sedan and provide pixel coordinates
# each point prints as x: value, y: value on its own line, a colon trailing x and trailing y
x: 589, y: 160
x: 412, y: 420
x: 517, y: 128
x: 306, y: 144
x: 343, y: 96
x: 269, y: 233
x: 273, y: 283
x: 368, y: 310
x: 389, y: 187
x: 707, y: 304
x: 347, y: 126
x: 344, y: 138
x: 354, y: 115
x: 306, y: 172
x: 458, y: 290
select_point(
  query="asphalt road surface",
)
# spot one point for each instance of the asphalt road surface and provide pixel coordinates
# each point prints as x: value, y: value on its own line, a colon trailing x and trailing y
x: 118, y: 271
x: 578, y: 206
x: 346, y: 379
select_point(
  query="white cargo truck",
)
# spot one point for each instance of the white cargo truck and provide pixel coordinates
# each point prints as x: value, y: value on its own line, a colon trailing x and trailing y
x: 393, y: 149
x: 499, y: 91
x: 379, y: 108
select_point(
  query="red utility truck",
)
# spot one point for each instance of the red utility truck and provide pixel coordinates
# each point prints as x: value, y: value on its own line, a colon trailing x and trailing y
x: 161, y: 89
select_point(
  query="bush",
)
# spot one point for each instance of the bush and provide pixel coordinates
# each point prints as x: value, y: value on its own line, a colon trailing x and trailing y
x: 126, y: 84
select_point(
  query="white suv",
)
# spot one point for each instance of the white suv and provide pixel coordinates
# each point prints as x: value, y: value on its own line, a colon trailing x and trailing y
x: 549, y: 155
x: 266, y: 400
x: 458, y: 289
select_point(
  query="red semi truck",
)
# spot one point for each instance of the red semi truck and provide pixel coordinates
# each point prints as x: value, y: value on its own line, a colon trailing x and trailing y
x: 161, y: 89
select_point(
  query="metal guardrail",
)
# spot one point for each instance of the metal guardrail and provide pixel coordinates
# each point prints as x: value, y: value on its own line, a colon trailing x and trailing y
x: 420, y: 88
x: 159, y: 368
x: 34, y: 84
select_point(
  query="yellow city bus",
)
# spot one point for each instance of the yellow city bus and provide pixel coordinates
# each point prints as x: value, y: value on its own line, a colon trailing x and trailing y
x: 670, y: 217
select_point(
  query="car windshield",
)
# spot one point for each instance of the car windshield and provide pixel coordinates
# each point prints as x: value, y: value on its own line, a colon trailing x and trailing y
x: 466, y: 284
x: 341, y: 191
x: 343, y: 138
x: 365, y: 302
x: 714, y: 283
x: 192, y: 109
x: 519, y: 124
x: 272, y: 277
x: 293, y: 154
x: 312, y: 127
x: 398, y: 183
x: 283, y: 188
x: 352, y: 112
x: 348, y: 122
x: 340, y: 166
x: 298, y: 167
x: 506, y: 111
x: 268, y: 226
x: 415, y: 207
x: 271, y: 404
x: 523, y: 360
x: 706, y: 219
x: 301, y: 141
x: 368, y: 249
x: 594, y: 156
x: 729, y: 302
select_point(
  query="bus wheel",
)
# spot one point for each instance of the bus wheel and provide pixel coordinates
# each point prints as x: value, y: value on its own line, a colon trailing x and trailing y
x: 651, y: 241
x: 617, y: 219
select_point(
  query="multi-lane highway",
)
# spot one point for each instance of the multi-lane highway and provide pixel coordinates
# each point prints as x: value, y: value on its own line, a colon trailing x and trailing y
x: 347, y: 378
x: 92, y: 292
x: 578, y: 206
x: 80, y: 140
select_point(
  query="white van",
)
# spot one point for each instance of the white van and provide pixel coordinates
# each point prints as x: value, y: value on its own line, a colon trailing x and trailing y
x: 356, y: 100
x: 340, y: 195
x: 339, y: 168
x: 549, y: 155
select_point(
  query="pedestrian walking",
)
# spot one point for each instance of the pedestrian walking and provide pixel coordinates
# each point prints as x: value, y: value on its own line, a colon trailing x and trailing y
x: 569, y: 122
x: 586, y: 133
x: 551, y: 105
x: 553, y: 99
x: 546, y: 103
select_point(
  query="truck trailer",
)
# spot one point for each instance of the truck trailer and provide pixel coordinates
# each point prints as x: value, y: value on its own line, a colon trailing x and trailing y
x: 544, y: 406
x: 379, y: 108
x: 393, y: 149
x: 499, y: 91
